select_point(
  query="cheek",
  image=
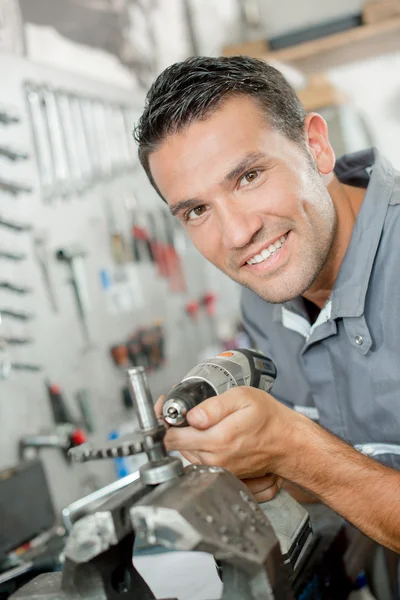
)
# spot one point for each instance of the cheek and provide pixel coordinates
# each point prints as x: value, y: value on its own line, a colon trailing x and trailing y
x: 207, y: 240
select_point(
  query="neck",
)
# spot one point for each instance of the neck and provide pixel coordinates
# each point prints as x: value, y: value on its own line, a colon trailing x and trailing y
x: 347, y: 201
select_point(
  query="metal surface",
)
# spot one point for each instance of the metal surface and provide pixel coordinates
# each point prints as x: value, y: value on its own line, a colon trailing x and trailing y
x: 149, y: 438
x: 141, y: 398
x: 200, y: 508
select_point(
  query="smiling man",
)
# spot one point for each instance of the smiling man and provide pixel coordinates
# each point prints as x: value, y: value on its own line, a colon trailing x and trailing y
x: 313, y: 241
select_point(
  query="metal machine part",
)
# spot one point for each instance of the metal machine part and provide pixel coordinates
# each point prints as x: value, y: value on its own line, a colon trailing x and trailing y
x: 149, y: 438
x: 187, y: 511
x: 215, y: 376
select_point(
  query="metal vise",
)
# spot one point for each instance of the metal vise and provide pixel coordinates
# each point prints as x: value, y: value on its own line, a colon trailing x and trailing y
x: 197, y: 508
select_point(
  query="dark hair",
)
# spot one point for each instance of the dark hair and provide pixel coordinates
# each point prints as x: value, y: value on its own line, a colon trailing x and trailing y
x: 193, y: 89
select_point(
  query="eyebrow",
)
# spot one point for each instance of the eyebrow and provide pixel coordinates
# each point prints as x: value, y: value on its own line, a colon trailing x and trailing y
x: 237, y: 170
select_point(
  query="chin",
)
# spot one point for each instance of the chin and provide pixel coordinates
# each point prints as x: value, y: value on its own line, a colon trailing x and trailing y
x: 280, y: 292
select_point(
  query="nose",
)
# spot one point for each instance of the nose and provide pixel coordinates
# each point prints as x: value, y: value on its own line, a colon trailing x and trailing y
x: 238, y: 226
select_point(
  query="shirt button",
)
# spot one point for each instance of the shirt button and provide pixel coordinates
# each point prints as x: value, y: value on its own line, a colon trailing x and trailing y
x: 359, y: 340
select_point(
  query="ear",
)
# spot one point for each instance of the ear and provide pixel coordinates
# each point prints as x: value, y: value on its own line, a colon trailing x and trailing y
x: 316, y: 131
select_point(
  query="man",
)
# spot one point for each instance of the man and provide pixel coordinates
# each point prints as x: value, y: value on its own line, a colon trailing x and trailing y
x: 227, y: 145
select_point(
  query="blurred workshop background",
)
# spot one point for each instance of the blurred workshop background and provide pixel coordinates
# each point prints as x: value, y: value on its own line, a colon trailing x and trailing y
x: 95, y: 275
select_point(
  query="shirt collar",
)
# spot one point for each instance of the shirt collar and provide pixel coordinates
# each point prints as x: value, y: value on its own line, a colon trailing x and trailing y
x: 349, y: 291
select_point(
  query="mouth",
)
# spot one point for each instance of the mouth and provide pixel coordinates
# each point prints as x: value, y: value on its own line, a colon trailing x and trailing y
x: 268, y: 252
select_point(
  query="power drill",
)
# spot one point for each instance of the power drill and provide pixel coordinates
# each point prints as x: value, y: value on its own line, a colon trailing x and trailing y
x: 215, y: 376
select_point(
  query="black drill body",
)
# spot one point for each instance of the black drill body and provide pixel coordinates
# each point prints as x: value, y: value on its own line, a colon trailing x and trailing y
x: 215, y: 376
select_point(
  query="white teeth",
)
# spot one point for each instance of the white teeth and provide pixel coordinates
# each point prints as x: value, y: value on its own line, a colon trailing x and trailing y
x: 267, y: 252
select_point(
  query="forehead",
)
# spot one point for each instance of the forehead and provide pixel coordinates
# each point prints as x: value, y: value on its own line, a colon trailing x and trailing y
x: 192, y: 160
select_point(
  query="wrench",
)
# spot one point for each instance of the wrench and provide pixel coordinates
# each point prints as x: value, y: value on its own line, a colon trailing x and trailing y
x: 40, y: 142
x: 20, y: 316
x: 14, y: 226
x: 12, y: 255
x: 73, y: 257
x: 11, y: 287
x: 12, y: 154
x: 14, y: 188
x: 8, y: 117
x: 51, y: 115
x: 41, y: 253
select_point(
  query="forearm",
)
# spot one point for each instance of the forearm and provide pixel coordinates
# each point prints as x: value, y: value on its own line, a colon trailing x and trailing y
x: 363, y: 491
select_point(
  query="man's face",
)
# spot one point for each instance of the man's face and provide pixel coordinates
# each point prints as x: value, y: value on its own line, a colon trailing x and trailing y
x: 249, y: 199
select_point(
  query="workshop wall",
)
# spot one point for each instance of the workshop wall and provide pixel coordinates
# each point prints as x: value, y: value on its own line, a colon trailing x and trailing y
x: 123, y: 295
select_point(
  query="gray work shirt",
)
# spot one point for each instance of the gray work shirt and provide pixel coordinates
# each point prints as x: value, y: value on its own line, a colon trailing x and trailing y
x: 344, y: 370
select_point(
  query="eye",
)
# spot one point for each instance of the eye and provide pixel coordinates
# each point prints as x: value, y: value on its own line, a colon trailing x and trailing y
x: 195, y: 213
x: 249, y: 177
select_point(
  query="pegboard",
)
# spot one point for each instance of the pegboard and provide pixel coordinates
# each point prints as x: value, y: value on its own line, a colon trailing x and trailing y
x: 57, y: 345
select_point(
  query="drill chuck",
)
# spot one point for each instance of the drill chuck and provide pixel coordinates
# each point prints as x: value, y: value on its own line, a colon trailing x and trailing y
x: 183, y: 397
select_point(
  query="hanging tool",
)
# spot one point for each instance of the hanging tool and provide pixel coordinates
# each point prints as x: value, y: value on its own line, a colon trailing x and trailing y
x: 11, y: 287
x: 74, y: 258
x: 15, y: 341
x: 214, y: 376
x: 14, y: 314
x: 59, y: 408
x: 17, y: 366
x: 12, y: 255
x: 176, y: 276
x: 43, y: 153
x: 142, y: 248
x: 87, y: 420
x: 8, y: 117
x: 119, y: 251
x: 14, y: 226
x: 42, y: 257
x: 56, y: 142
x: 5, y: 360
x: 63, y: 437
x: 208, y: 303
x: 14, y: 189
x: 12, y: 154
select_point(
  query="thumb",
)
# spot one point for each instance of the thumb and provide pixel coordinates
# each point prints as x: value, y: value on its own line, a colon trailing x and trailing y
x: 213, y: 410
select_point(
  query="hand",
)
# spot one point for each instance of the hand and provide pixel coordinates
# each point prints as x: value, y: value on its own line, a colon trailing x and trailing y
x: 264, y: 488
x: 244, y: 430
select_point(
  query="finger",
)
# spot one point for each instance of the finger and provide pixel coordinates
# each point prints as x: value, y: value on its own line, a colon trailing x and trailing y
x: 187, y: 438
x: 158, y: 406
x: 192, y: 457
x: 213, y: 410
x: 259, y: 484
x: 268, y: 494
